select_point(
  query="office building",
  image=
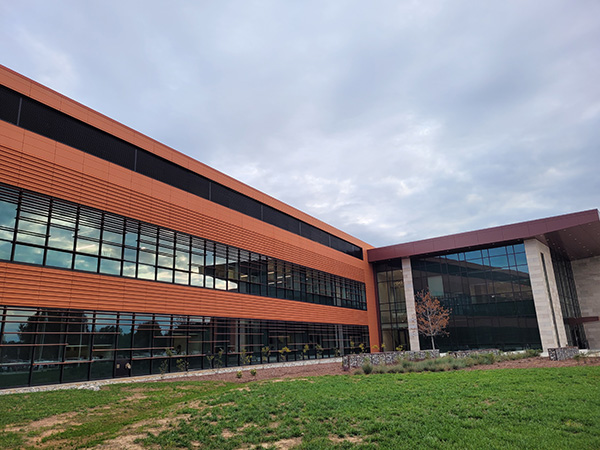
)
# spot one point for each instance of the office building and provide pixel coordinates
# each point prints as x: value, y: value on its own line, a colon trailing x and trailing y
x: 120, y: 256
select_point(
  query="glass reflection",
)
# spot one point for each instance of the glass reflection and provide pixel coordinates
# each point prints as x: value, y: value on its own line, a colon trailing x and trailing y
x: 81, y: 238
x: 489, y: 293
x: 62, y: 238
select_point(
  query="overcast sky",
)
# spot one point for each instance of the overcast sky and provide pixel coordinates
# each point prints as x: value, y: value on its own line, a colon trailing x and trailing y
x: 391, y: 120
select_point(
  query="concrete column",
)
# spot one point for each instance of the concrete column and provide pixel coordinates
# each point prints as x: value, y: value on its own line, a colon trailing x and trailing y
x: 411, y: 312
x: 587, y: 282
x: 545, y: 295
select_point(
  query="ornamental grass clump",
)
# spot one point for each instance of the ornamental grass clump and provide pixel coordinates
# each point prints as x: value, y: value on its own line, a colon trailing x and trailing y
x: 444, y: 364
x: 380, y: 369
x: 367, y: 368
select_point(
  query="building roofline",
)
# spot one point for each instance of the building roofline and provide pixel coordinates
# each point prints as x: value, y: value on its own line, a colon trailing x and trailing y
x: 564, y: 232
x: 65, y: 105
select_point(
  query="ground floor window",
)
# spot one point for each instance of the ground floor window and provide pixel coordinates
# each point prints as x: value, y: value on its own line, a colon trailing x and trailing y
x: 44, y: 345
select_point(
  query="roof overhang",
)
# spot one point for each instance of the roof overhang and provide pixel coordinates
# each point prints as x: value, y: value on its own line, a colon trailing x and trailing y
x: 575, y: 236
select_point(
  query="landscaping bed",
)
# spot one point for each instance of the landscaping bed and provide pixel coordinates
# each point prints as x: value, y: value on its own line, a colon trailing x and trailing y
x: 313, y: 370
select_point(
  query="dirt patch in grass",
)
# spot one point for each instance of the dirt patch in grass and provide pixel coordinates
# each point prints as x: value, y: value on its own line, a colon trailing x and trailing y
x: 283, y: 444
x: 138, y: 396
x: 538, y: 362
x: 340, y: 440
x: 140, y: 430
x: 125, y: 442
x: 46, y: 422
x: 227, y: 434
x: 38, y: 430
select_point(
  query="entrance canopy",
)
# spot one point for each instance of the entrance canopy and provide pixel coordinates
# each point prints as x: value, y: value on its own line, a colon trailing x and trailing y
x: 575, y: 236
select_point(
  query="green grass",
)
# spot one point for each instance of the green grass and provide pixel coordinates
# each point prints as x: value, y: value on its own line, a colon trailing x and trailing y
x: 501, y: 409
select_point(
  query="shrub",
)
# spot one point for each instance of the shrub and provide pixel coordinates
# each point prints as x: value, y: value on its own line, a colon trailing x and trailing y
x: 164, y: 367
x: 305, y: 350
x: 319, y: 350
x: 458, y: 364
x: 265, y: 352
x: 183, y: 365
x: 469, y: 362
x: 239, y: 374
x: 253, y: 372
x: 478, y: 359
x: 532, y: 353
x: 284, y: 352
x: 395, y: 369
x: 489, y: 358
x: 219, y: 358
x: 429, y: 365
x: 367, y: 368
x: 380, y: 369
x: 246, y: 357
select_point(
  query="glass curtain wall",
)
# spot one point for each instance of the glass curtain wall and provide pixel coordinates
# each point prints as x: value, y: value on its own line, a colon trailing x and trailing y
x: 489, y: 294
x: 45, y: 346
x: 569, y: 302
x: 392, y: 306
x: 36, y: 229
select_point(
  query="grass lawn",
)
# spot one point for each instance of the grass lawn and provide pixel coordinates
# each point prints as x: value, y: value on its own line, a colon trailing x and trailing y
x: 527, y: 408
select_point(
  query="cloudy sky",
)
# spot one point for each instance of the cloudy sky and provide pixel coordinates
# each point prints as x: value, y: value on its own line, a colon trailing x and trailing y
x: 391, y: 120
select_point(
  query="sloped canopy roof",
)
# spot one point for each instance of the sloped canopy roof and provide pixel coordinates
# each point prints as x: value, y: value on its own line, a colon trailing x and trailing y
x: 576, y: 236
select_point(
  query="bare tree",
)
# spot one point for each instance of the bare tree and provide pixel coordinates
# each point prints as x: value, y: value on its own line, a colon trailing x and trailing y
x: 432, y: 317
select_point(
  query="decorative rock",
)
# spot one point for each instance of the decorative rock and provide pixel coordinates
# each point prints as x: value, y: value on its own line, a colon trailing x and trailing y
x: 467, y: 353
x: 562, y: 353
x: 386, y: 358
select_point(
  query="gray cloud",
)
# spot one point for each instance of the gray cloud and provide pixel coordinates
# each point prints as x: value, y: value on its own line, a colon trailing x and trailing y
x: 393, y: 121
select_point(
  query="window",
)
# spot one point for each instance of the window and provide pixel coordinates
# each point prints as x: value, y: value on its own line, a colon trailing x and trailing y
x: 64, y: 235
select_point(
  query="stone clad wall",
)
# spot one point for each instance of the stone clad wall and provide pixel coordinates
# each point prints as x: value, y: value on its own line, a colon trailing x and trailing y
x: 545, y: 295
x: 467, y: 353
x: 587, y: 279
x: 386, y: 358
x: 389, y: 358
x: 562, y: 353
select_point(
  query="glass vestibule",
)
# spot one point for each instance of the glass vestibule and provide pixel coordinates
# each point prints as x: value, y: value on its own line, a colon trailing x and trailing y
x: 489, y: 294
x: 392, y: 306
x: 488, y: 291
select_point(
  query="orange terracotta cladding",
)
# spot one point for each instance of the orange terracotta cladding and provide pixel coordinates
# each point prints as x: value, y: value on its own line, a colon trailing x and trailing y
x: 39, y: 164
x: 51, y: 168
x: 25, y: 285
x: 58, y: 101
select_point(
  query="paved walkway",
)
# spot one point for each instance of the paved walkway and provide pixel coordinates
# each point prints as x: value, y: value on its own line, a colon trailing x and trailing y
x: 95, y: 385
